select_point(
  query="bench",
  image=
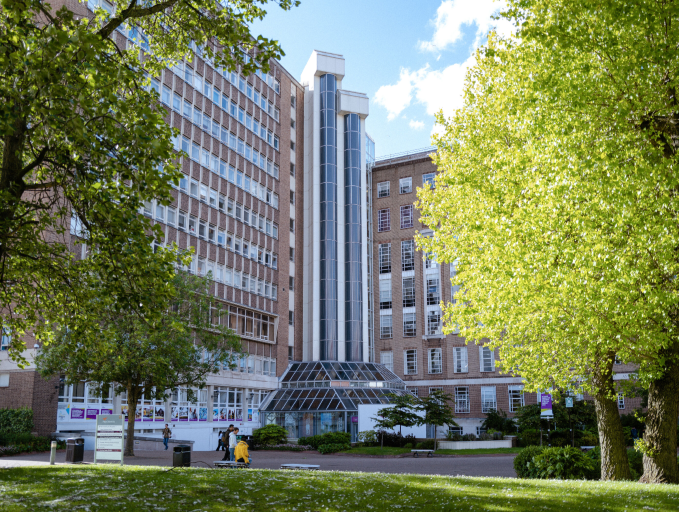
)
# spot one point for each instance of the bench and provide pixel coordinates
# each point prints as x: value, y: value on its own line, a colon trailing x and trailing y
x: 305, y: 467
x: 416, y: 453
x: 230, y: 464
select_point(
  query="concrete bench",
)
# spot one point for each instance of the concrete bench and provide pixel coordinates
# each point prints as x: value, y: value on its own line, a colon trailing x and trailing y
x: 416, y: 453
x: 306, y: 467
x: 230, y: 464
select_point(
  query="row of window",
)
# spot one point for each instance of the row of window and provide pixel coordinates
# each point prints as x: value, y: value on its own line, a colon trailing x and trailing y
x: 384, y: 218
x: 407, y: 257
x: 235, y: 278
x: 433, y: 295
x: 410, y: 324
x: 435, y: 360
x: 405, y: 185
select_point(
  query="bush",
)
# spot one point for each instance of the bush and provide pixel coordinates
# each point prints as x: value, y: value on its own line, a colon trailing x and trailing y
x: 408, y: 446
x: 469, y: 437
x: 333, y: 447
x: 12, y: 444
x: 368, y: 437
x: 393, y: 439
x: 16, y: 421
x: 566, y: 463
x: 453, y: 436
x: 343, y: 438
x: 498, y: 436
x: 587, y: 439
x: 10, y: 439
x: 270, y: 435
x: 523, y: 462
x: 498, y: 421
x: 425, y: 445
x: 529, y: 437
x: 485, y: 436
x: 636, y: 463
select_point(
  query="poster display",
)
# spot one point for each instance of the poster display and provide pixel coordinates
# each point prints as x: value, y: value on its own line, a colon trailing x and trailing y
x: 147, y: 413
x: 202, y: 414
x: 239, y: 414
x: 63, y: 413
x: 193, y: 413
x: 183, y: 414
x: 91, y: 414
x: 249, y: 414
x: 546, y: 405
x: 255, y: 416
x: 77, y: 414
x: 137, y: 415
x: 109, y: 437
x: 106, y: 411
x: 174, y: 413
x: 159, y: 413
x: 223, y: 414
x: 124, y: 410
x: 307, y: 424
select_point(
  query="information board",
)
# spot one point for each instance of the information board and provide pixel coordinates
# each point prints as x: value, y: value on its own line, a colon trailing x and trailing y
x: 109, y: 441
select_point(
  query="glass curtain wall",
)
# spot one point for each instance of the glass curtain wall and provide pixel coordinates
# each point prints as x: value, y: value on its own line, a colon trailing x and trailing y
x: 328, y: 219
x: 352, y: 239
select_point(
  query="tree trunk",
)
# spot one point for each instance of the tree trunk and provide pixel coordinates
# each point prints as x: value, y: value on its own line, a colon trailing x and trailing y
x: 614, y: 461
x: 131, y: 415
x: 660, y: 463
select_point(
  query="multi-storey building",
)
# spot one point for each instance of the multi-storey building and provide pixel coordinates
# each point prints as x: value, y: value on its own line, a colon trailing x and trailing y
x: 409, y: 289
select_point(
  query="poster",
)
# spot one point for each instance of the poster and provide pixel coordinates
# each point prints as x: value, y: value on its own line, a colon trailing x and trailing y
x: 184, y: 413
x: 326, y: 422
x: 308, y: 424
x: 255, y: 416
x: 147, y: 413
x: 232, y: 415
x: 193, y: 413
x: 123, y: 411
x: 239, y: 414
x: 174, y: 413
x: 77, y: 414
x: 91, y: 414
x: 249, y: 414
x: 63, y: 413
x: 223, y: 414
x: 159, y: 413
x: 137, y: 415
x: 215, y: 414
x: 106, y: 411
x: 546, y: 405
x: 202, y: 414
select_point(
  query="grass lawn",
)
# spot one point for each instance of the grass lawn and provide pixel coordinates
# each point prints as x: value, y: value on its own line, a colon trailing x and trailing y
x: 145, y: 488
x: 375, y: 450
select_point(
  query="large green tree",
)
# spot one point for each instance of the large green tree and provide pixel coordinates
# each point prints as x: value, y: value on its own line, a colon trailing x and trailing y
x: 148, y: 357
x: 437, y: 411
x: 82, y: 137
x: 558, y: 197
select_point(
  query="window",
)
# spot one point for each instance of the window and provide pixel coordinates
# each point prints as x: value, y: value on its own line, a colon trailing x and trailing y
x: 383, y: 220
x: 386, y: 328
x: 160, y: 212
x: 410, y: 362
x: 409, y: 324
x: 515, y: 398
x: 6, y: 339
x: 433, y: 322
x: 430, y: 262
x: 291, y: 317
x: 292, y: 169
x: 488, y: 399
x: 292, y: 225
x: 408, y: 292
x: 460, y: 362
x: 435, y: 360
x: 385, y: 293
x: 384, y: 254
x: 387, y: 359
x: 292, y: 197
x: 621, y: 401
x: 383, y: 189
x: 405, y: 185
x: 176, y: 102
x: 487, y: 359
x: 462, y: 399
x: 181, y: 221
x: 433, y: 295
x: 292, y: 283
x: 407, y: 255
x: 407, y: 216
x: 617, y: 360
x: 428, y: 180
x: 413, y: 391
x: 171, y: 216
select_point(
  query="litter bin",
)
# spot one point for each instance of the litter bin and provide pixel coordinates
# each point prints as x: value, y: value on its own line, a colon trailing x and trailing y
x: 181, y: 456
x: 75, y: 449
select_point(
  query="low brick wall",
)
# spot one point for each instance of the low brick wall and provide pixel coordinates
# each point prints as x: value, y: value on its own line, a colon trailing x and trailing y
x: 474, y: 445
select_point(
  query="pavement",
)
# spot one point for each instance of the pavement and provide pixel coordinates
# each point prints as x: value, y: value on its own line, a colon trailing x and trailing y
x: 499, y: 465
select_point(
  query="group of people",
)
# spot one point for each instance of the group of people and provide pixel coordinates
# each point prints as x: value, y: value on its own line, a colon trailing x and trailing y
x: 236, y: 451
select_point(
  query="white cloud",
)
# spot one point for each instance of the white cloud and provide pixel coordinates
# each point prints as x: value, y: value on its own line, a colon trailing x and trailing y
x: 416, y: 125
x: 398, y: 96
x: 453, y: 14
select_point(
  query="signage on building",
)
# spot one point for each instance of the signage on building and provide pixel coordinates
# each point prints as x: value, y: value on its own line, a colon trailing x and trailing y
x: 109, y: 440
x: 569, y: 401
x: 546, y: 405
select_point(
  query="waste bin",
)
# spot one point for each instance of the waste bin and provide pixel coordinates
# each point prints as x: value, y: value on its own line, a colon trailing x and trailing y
x: 75, y: 449
x: 181, y: 456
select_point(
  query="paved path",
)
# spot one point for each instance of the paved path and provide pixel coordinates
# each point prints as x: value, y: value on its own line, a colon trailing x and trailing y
x: 500, y: 465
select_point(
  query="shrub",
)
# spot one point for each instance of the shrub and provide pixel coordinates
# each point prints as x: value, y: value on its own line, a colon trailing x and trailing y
x: 368, y: 437
x: 453, y: 436
x: 408, y: 446
x: 498, y: 436
x: 393, y: 439
x: 485, y: 436
x: 343, y: 438
x: 469, y: 437
x: 588, y: 439
x: 530, y: 437
x: 334, y: 447
x: 16, y: 421
x: 566, y: 463
x: 425, y: 445
x: 636, y: 463
x: 498, y: 421
x: 523, y: 462
x: 270, y: 435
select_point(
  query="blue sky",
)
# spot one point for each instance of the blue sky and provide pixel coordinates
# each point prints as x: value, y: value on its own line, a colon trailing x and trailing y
x: 410, y: 57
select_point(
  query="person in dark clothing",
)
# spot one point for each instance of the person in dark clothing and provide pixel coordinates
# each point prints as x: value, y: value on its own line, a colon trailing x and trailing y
x: 219, y: 441
x: 225, y: 442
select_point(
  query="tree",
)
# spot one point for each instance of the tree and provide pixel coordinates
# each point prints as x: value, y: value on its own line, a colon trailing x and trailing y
x: 436, y: 410
x: 498, y: 420
x: 84, y: 142
x: 182, y: 347
x: 403, y: 413
x: 557, y: 197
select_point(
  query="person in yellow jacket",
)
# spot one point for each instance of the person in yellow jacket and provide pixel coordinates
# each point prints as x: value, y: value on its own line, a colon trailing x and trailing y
x: 241, y: 452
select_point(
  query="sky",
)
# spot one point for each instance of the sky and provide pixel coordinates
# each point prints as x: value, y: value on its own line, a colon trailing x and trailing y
x: 409, y: 56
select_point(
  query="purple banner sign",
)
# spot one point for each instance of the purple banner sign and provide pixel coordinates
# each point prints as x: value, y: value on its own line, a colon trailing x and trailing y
x: 546, y: 404
x: 91, y: 414
x: 77, y: 414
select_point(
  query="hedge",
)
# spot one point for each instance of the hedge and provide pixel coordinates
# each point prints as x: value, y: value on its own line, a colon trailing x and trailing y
x: 16, y: 420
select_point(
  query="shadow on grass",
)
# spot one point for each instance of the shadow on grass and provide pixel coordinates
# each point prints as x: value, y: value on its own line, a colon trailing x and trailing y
x: 111, y: 488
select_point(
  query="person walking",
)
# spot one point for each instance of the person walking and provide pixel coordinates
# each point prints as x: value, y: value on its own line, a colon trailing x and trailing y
x: 233, y: 442
x: 225, y: 443
x: 219, y: 441
x: 167, y: 433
